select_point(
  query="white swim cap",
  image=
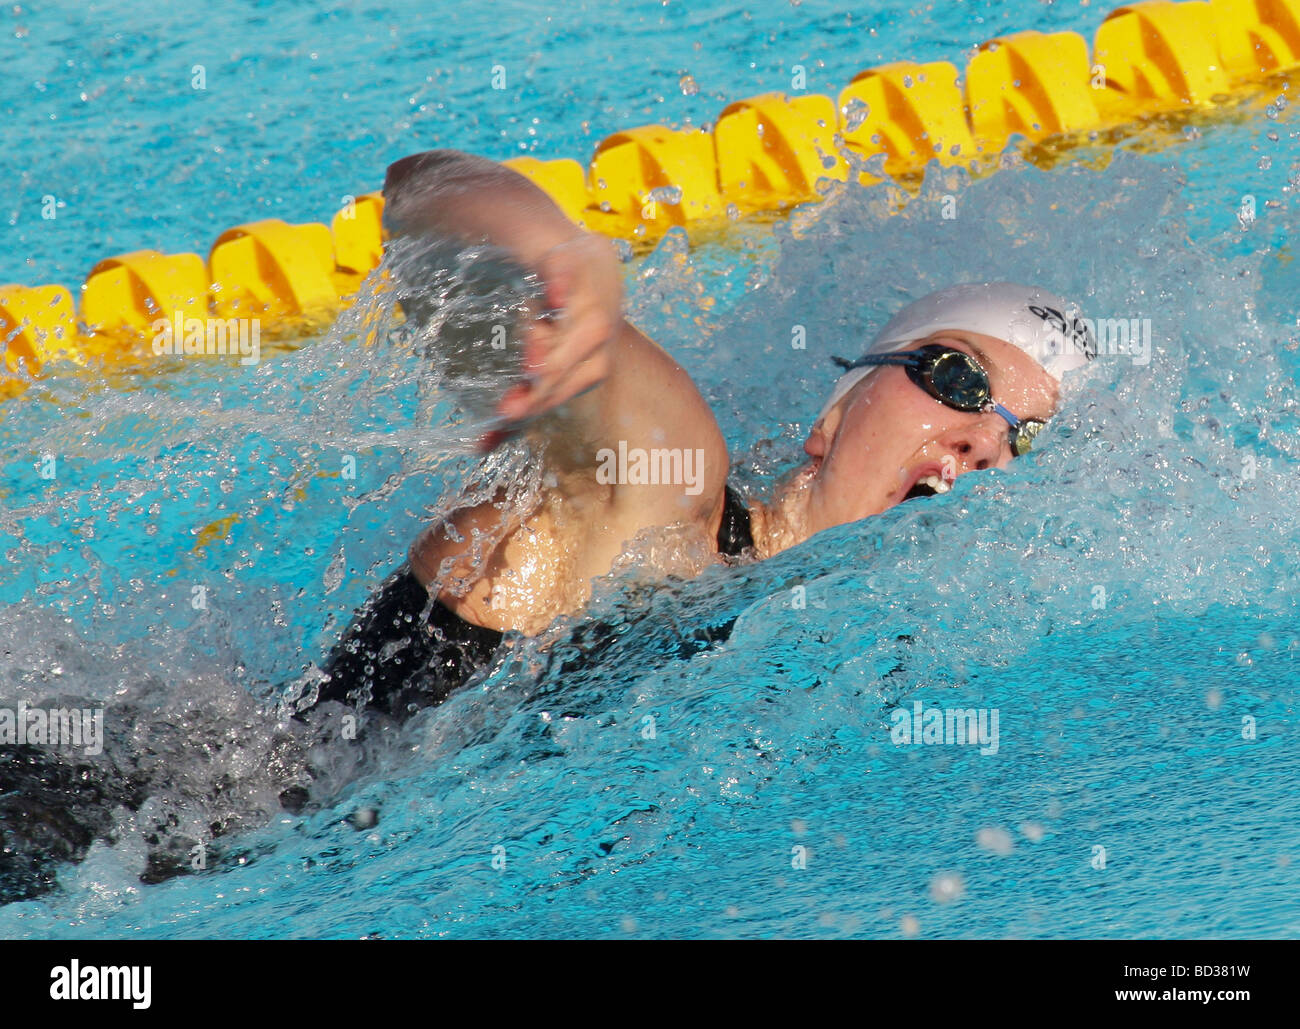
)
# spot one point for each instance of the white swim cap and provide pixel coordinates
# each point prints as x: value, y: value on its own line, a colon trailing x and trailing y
x: 1043, y: 325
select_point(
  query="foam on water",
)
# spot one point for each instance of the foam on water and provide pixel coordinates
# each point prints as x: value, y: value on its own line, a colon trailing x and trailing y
x: 1122, y: 596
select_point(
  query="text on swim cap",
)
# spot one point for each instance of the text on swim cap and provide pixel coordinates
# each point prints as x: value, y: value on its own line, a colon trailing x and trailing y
x: 1075, y: 329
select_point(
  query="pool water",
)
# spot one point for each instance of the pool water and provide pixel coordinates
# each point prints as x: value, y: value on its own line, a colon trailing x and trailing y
x: 1121, y: 599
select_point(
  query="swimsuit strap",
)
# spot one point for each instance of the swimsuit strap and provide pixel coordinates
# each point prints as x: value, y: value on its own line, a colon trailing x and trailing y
x: 734, y: 536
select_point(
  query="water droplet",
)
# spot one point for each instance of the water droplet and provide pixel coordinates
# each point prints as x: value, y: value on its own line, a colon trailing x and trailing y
x: 996, y: 840
x: 334, y: 573
x: 947, y: 887
x: 855, y: 113
x: 666, y: 194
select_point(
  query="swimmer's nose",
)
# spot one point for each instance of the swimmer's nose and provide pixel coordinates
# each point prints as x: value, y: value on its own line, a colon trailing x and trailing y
x: 979, y: 445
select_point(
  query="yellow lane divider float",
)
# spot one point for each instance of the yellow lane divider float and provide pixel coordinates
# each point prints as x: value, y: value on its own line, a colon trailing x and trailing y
x: 764, y: 153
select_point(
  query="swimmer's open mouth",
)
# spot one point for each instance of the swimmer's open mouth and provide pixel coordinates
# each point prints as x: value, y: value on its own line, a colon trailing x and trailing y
x: 928, y: 486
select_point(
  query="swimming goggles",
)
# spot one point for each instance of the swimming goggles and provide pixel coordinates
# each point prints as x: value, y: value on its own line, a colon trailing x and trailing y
x: 955, y: 379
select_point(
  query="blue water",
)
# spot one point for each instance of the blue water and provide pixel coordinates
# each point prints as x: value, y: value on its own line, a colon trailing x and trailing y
x: 1153, y: 721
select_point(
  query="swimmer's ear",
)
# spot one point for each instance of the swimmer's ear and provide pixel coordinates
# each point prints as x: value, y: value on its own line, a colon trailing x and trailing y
x: 828, y: 424
x: 820, y: 436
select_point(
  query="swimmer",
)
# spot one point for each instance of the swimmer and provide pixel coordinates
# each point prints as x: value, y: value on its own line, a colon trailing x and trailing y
x: 959, y: 381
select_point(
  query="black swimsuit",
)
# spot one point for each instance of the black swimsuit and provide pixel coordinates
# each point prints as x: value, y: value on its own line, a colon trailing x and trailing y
x: 51, y: 811
x: 389, y: 661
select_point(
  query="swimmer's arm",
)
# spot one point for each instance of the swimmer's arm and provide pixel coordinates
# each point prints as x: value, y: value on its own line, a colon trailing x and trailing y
x: 645, y: 399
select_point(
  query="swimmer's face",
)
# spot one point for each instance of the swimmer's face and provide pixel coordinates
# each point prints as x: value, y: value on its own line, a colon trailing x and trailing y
x: 888, y: 434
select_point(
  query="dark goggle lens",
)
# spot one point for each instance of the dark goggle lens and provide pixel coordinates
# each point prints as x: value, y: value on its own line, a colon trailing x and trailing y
x: 1022, y: 437
x: 957, y: 380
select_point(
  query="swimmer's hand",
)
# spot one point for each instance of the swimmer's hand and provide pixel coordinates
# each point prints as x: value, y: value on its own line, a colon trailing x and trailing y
x: 566, y: 347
